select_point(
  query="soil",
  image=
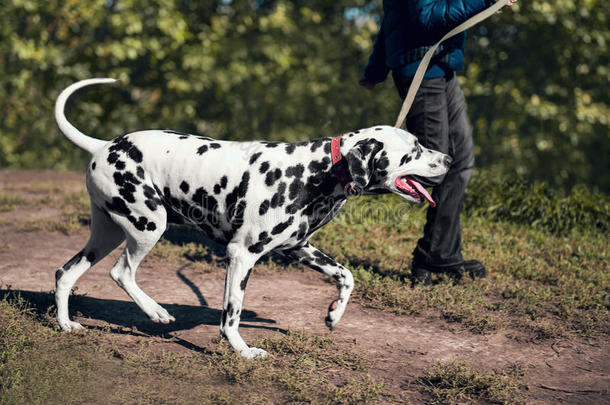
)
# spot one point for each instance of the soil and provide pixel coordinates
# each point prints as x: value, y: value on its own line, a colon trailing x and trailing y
x: 572, y: 371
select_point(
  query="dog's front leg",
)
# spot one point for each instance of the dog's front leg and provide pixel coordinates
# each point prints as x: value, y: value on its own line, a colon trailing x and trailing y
x: 238, y: 271
x: 314, y: 258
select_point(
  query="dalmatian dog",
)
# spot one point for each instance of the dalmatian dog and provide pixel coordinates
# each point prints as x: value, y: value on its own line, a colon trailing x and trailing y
x: 253, y: 197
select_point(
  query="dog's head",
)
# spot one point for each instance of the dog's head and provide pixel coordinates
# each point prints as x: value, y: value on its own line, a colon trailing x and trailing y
x: 383, y: 158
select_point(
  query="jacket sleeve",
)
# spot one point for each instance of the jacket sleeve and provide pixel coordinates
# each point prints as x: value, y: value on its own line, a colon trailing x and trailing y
x: 445, y: 14
x: 376, y: 71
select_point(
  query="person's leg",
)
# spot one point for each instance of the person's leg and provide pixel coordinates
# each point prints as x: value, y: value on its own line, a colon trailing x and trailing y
x: 439, y: 119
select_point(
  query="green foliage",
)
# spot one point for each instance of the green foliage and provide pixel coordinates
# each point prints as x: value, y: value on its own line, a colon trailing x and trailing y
x: 537, y: 85
x: 275, y: 69
x: 513, y: 199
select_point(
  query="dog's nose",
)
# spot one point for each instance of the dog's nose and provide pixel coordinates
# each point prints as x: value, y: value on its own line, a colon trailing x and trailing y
x: 447, y: 160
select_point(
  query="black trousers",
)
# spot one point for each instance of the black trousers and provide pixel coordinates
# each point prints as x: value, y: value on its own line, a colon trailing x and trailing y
x: 439, y: 119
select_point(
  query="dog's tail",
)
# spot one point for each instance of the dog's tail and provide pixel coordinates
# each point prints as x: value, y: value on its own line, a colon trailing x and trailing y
x: 74, y: 135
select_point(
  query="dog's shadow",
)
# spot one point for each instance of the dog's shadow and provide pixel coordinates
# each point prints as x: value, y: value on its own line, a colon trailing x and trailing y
x: 126, y: 314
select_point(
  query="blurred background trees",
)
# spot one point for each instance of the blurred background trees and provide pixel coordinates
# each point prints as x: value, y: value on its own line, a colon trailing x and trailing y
x: 537, y: 80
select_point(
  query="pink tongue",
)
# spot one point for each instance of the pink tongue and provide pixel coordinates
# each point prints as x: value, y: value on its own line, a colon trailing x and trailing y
x: 421, y: 190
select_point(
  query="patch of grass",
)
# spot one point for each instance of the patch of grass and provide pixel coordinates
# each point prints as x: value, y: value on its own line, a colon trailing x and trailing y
x: 305, y: 369
x: 457, y: 383
x: 39, y: 365
x: 66, y: 224
x: 541, y: 284
x: 8, y: 201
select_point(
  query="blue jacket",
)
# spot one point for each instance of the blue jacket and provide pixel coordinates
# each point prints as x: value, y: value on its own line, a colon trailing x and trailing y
x: 409, y: 26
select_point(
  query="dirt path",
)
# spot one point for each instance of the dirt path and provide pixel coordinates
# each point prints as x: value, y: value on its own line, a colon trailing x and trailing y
x: 565, y: 371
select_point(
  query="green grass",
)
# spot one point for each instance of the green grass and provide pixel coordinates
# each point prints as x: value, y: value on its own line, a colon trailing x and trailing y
x: 39, y: 365
x: 8, y: 201
x: 541, y: 284
x: 449, y: 383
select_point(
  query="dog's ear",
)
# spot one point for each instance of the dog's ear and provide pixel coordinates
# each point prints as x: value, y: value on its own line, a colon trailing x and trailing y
x: 360, y: 162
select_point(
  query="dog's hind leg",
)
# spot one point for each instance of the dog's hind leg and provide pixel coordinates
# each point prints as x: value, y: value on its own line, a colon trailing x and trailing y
x: 238, y: 272
x: 105, y: 237
x: 310, y: 256
x: 141, y: 237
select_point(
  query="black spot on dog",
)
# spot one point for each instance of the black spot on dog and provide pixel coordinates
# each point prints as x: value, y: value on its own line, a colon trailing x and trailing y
x: 278, y: 198
x: 264, y: 207
x: 302, y: 230
x: 243, y: 185
x: 130, y: 178
x: 140, y: 223
x: 272, y: 176
x: 184, y: 186
x: 93, y: 166
x: 405, y: 159
x: 140, y: 172
x: 120, y: 165
x: 316, y: 166
x: 149, y: 192
x: 322, y: 259
x: 231, y: 322
x: 417, y: 150
x: 264, y: 167
x: 221, y: 186
x: 316, y: 144
x: 152, y: 198
x: 112, y: 157
x: 202, y: 149
x: 238, y: 215
x: 123, y: 144
x: 295, y: 188
x: 254, y: 157
x: 271, y: 144
x: 327, y: 143
x: 290, y: 148
x: 382, y: 163
x: 259, y: 246
x: 378, y: 129
x: 215, y: 145
x: 235, y: 208
x: 135, y: 154
x: 118, y: 206
x: 151, y: 204
x: 296, y: 171
x: 151, y: 226
x: 292, y: 208
x: 281, y: 227
x: 244, y: 282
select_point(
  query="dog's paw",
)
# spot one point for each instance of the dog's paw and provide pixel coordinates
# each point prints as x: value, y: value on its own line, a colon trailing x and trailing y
x: 335, y: 312
x: 69, y: 326
x: 252, y: 353
x: 160, y: 315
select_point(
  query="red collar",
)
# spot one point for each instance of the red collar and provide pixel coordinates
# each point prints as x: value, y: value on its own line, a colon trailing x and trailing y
x: 344, y: 179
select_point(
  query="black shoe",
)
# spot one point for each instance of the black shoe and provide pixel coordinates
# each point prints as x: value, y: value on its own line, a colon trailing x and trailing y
x: 423, y: 272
